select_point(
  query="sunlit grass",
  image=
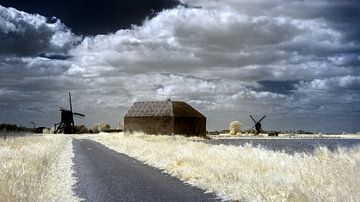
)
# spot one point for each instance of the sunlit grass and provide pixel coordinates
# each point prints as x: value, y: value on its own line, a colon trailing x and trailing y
x: 246, y: 172
x: 36, y: 168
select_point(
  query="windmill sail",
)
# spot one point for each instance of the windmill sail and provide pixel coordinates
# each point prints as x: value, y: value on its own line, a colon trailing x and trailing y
x: 78, y: 114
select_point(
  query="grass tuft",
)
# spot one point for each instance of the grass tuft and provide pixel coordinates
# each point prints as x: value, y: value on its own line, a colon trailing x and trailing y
x: 36, y: 168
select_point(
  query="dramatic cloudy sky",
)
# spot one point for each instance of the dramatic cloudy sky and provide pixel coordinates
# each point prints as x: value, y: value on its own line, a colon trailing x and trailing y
x: 297, y: 61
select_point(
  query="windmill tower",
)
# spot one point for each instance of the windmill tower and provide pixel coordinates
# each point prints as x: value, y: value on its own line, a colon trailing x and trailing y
x: 257, y: 124
x: 67, y: 125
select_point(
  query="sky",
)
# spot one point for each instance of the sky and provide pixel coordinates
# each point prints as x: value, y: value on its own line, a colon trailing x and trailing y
x: 295, y: 61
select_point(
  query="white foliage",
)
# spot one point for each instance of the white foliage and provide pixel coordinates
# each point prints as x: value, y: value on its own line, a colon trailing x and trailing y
x: 101, y: 127
x: 247, y: 173
x: 48, y: 130
x: 235, y: 127
x: 36, y: 168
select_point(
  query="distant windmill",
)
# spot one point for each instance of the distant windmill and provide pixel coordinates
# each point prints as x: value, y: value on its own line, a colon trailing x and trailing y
x: 257, y: 124
x: 67, y: 125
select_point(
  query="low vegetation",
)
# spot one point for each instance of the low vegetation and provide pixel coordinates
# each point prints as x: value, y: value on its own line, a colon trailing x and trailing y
x: 36, y: 168
x: 81, y: 129
x: 247, y: 173
x: 101, y: 127
x: 12, y: 128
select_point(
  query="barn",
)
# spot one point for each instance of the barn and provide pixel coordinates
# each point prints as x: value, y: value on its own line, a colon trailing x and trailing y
x: 165, y: 117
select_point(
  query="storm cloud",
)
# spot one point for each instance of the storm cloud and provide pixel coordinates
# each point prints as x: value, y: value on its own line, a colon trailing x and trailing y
x: 296, y: 61
x: 24, y: 34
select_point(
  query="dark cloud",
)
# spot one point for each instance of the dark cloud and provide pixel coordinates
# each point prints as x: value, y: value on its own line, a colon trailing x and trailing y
x: 55, y: 56
x: 24, y: 34
x: 95, y: 17
x: 17, y: 69
x: 281, y: 87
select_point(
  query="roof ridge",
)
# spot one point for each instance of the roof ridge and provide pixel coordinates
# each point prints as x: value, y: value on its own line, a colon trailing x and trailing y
x: 162, y: 108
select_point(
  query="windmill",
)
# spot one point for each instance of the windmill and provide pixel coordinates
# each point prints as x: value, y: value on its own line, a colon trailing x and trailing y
x: 257, y: 124
x: 66, y: 124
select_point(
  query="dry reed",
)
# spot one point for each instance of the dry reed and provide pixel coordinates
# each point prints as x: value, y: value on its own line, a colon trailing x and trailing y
x: 246, y: 172
x: 36, y: 168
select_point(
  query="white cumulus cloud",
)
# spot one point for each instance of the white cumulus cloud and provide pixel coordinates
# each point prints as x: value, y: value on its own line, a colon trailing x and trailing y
x: 24, y: 34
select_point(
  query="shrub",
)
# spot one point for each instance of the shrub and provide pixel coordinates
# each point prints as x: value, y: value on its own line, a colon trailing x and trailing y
x: 81, y: 129
x: 101, y: 127
x: 235, y: 127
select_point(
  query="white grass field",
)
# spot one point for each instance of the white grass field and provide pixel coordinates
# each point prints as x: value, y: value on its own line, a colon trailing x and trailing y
x: 247, y: 173
x: 286, y: 136
x: 36, y: 168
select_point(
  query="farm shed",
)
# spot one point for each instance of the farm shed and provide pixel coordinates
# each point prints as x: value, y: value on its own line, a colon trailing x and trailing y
x: 165, y: 117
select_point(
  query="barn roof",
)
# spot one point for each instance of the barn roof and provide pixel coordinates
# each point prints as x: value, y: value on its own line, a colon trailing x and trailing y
x: 162, y: 108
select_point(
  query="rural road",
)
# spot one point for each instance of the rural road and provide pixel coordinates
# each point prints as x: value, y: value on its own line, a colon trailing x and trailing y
x: 105, y: 175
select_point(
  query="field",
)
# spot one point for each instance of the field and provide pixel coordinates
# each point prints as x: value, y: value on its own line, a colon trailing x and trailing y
x: 38, y: 168
x: 246, y: 172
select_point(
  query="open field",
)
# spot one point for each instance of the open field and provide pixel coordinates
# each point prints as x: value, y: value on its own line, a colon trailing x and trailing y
x: 246, y: 172
x: 290, y: 145
x: 36, y: 168
x: 286, y: 136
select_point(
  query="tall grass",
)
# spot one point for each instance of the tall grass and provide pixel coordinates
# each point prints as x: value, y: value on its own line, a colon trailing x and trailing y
x: 246, y: 172
x: 36, y: 168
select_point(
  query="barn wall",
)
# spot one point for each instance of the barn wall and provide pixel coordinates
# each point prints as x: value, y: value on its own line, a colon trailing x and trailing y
x: 149, y: 125
x: 191, y: 126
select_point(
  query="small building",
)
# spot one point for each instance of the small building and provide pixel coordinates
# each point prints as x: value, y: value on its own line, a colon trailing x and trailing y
x: 165, y: 117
